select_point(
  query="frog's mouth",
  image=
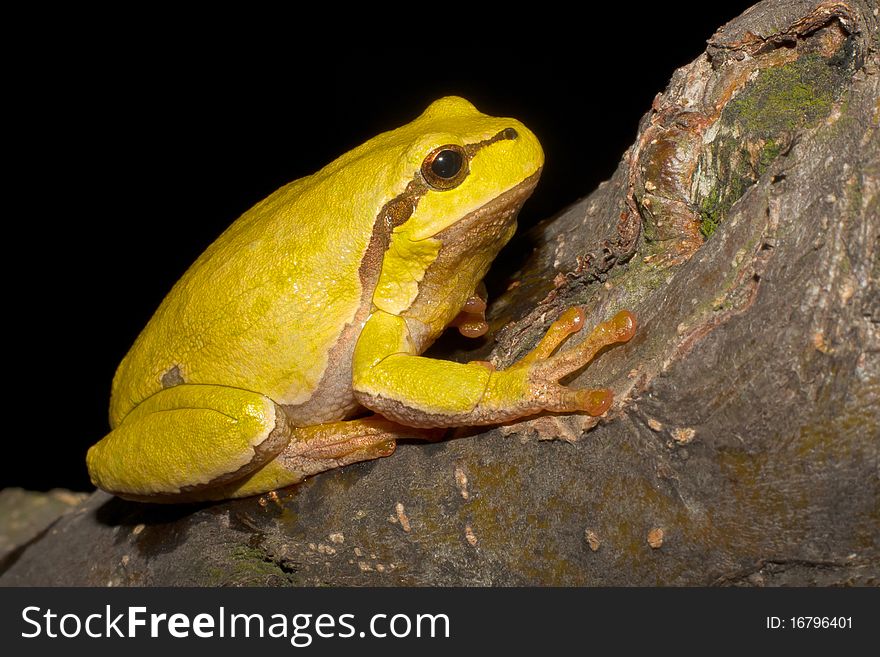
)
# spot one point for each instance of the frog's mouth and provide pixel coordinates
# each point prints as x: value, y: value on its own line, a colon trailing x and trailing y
x: 485, y: 226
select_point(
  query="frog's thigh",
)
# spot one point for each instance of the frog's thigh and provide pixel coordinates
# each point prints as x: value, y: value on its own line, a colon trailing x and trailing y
x: 188, y: 438
x: 323, y: 447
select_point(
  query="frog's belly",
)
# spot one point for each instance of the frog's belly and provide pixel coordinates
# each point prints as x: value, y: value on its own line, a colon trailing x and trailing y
x: 333, y: 397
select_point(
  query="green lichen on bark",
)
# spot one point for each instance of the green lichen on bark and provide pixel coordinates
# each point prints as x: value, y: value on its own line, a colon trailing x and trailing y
x: 759, y: 122
x: 786, y: 98
x: 250, y: 566
x: 743, y: 172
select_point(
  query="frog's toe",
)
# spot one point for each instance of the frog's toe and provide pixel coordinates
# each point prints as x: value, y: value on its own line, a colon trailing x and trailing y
x: 471, y: 320
x: 594, y: 402
x: 561, y: 399
x: 616, y: 330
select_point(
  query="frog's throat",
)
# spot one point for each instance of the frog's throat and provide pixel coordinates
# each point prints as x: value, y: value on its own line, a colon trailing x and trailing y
x: 467, y: 249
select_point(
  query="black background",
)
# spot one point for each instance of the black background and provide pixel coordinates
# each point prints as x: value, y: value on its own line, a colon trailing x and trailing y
x: 131, y: 154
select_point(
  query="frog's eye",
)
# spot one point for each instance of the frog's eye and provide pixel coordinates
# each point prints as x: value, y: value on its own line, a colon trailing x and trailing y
x: 445, y: 167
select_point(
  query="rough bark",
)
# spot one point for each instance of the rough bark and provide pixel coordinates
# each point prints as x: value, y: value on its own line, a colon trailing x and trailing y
x: 743, y: 229
x: 26, y: 515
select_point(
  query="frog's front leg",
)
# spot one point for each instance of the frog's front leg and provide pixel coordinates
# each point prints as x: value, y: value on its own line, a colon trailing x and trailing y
x: 425, y: 392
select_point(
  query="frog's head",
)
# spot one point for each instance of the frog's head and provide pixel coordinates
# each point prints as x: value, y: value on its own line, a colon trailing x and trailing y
x: 466, y: 177
x: 464, y: 162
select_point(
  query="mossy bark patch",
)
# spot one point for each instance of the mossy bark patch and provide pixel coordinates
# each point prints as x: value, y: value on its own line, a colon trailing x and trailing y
x: 790, y: 97
x: 763, y: 121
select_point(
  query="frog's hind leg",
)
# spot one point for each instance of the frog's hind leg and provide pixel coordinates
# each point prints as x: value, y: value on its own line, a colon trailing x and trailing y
x: 186, y: 439
x: 323, y: 447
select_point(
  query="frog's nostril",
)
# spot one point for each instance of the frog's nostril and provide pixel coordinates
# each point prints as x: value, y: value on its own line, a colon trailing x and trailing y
x: 509, y: 133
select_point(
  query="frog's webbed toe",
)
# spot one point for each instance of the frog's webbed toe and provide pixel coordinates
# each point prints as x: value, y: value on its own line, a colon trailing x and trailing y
x: 471, y: 320
x: 545, y: 370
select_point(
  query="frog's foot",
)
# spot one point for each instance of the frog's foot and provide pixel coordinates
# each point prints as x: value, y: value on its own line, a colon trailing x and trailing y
x: 532, y: 384
x: 471, y: 320
x: 545, y: 370
x: 324, y: 447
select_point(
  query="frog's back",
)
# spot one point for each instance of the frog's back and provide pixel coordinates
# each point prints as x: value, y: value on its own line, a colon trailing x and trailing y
x: 264, y: 306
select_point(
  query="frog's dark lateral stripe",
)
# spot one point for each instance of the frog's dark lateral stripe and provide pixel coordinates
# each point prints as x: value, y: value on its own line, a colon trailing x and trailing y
x: 507, y: 133
x: 468, y: 234
x: 399, y: 209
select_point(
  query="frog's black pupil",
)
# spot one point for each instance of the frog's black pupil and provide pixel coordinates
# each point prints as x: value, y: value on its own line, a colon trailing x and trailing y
x: 447, y: 164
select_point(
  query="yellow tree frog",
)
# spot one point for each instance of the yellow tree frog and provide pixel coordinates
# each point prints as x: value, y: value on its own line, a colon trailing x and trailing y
x: 292, y: 345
